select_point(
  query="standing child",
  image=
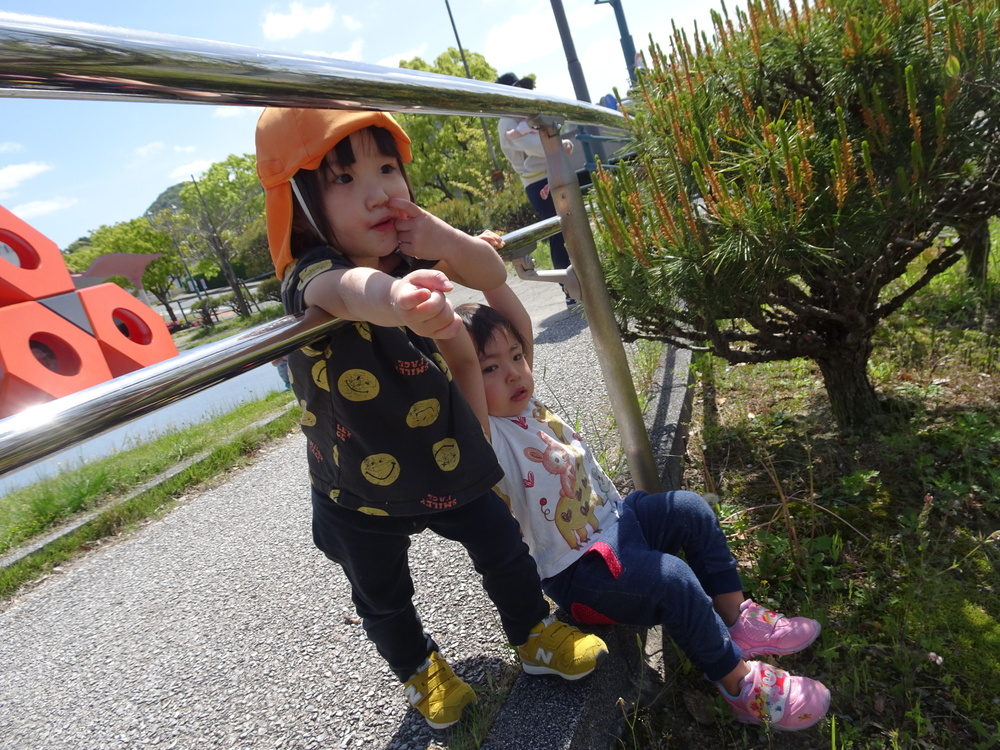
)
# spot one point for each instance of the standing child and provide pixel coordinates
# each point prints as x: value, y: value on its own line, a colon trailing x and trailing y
x: 393, y: 447
x: 608, y: 560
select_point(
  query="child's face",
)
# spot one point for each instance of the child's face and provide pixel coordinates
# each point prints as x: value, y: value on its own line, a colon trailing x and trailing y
x: 355, y: 200
x: 506, y: 376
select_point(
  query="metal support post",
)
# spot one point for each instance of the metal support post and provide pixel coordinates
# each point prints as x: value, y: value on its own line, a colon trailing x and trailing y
x: 568, y: 199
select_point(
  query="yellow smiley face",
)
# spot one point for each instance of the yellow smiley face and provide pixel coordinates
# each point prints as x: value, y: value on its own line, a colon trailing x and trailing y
x: 423, y: 413
x: 335, y: 495
x: 307, y: 419
x: 336, y: 455
x: 319, y: 375
x: 372, y: 511
x: 381, y: 469
x: 364, y: 330
x: 442, y: 365
x: 358, y: 385
x: 446, y: 454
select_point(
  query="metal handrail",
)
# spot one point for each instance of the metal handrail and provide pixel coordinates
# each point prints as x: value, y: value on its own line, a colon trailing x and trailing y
x: 40, y: 430
x: 55, y: 59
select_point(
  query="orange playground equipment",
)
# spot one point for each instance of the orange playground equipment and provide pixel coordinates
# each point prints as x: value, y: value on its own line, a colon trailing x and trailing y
x: 56, y: 339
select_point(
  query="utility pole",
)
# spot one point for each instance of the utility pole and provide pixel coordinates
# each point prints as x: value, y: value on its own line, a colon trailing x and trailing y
x: 575, y: 68
x: 576, y: 76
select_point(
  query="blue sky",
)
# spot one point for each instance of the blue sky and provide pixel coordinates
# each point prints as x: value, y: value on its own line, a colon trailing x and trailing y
x: 68, y: 167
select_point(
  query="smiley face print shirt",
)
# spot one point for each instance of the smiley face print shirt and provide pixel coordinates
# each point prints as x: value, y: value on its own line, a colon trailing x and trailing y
x: 388, y: 431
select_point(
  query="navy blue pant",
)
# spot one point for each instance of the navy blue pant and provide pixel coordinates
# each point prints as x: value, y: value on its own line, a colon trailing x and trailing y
x: 372, y: 550
x: 637, y: 577
x: 546, y: 209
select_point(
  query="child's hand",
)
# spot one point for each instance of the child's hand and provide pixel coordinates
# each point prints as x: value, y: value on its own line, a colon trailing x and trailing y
x: 419, y: 301
x: 495, y: 240
x: 421, y: 234
x: 471, y: 261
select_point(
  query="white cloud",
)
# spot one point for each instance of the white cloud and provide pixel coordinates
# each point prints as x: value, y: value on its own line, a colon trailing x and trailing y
x: 12, y: 176
x: 185, y: 149
x: 9, y: 147
x: 392, y: 61
x: 298, y: 19
x: 33, y: 209
x: 150, y: 149
x: 186, y: 171
x: 349, y: 23
x: 536, y: 35
x: 353, y: 54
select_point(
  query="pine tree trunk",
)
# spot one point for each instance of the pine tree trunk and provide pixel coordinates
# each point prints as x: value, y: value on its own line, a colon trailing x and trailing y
x: 853, y: 400
x: 976, y: 240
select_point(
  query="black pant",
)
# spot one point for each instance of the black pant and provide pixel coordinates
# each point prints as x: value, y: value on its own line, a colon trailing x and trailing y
x: 372, y: 550
x: 546, y: 209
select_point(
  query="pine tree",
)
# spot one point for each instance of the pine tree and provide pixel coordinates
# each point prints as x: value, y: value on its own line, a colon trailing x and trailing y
x: 793, y: 176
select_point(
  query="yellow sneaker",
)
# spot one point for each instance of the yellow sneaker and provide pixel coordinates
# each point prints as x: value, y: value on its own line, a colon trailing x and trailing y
x: 437, y: 693
x: 554, y: 647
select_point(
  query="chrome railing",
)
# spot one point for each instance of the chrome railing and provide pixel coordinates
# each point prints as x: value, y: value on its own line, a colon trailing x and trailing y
x: 55, y: 59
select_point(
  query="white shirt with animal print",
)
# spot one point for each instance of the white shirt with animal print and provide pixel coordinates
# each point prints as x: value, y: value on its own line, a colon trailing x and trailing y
x: 552, y: 484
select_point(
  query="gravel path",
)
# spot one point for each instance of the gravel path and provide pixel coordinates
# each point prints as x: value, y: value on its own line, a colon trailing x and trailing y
x: 221, y: 626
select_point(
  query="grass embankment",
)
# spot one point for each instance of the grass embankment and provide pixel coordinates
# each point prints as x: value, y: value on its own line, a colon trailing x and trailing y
x: 210, y: 449
x: 891, y: 541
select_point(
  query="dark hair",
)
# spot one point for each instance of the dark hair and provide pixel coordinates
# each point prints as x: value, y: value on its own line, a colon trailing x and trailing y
x: 511, y: 79
x: 310, y: 184
x: 483, y: 322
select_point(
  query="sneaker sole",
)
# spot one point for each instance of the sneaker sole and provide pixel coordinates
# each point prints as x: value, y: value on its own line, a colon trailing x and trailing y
x: 541, y: 669
x: 771, y: 651
x: 446, y: 724
x: 778, y: 727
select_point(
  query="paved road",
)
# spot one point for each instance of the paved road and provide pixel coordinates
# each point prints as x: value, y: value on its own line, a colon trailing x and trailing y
x: 221, y: 626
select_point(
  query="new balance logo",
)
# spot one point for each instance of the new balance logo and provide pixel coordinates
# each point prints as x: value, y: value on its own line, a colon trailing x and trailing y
x: 413, y: 695
x: 543, y: 656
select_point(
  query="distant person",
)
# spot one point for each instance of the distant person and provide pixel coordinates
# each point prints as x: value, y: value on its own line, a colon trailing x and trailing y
x: 393, y: 447
x: 282, y: 364
x: 607, y: 560
x: 522, y: 145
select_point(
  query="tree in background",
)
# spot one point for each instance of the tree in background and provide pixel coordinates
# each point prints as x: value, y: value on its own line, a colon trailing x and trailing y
x: 134, y: 236
x: 794, y: 174
x: 217, y: 209
x: 451, y: 159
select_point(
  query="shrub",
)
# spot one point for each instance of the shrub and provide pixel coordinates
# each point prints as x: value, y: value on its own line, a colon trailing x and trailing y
x: 269, y: 290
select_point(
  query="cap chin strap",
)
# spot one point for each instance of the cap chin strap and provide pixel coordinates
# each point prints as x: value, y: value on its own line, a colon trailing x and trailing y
x: 305, y: 209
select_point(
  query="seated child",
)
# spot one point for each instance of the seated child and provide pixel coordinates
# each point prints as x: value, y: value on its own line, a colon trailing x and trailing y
x: 608, y: 560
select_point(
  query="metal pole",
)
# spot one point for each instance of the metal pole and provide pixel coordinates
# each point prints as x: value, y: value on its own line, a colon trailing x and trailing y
x: 568, y: 199
x: 43, y: 58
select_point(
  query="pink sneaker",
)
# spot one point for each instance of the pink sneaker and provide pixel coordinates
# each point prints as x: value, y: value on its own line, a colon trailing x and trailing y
x: 771, y: 695
x: 760, y: 631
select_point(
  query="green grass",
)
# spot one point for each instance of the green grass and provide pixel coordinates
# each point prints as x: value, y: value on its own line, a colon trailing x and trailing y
x: 891, y: 541
x: 191, y: 337
x: 214, y: 446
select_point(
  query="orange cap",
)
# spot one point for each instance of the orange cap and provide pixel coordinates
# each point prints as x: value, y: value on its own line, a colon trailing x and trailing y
x: 292, y: 139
